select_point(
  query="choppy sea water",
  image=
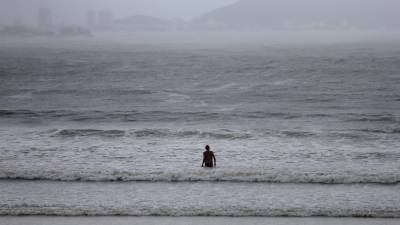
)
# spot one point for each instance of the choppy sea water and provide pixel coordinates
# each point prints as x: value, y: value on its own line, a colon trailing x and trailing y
x: 298, y: 131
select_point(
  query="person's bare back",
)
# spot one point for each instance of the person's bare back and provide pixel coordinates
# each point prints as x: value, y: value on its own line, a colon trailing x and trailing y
x: 208, y: 157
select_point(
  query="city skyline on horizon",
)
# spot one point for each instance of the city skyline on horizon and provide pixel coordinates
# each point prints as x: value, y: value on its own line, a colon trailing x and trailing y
x: 75, y: 12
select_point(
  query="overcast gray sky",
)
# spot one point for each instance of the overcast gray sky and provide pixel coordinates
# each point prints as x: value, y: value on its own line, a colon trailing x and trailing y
x: 73, y: 11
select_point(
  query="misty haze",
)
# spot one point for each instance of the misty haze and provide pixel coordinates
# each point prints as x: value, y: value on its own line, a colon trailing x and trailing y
x: 211, y: 111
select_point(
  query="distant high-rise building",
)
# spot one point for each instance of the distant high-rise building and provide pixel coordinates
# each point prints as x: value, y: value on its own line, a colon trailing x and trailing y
x: 91, y: 18
x: 105, y: 18
x: 44, y: 18
x: 18, y: 22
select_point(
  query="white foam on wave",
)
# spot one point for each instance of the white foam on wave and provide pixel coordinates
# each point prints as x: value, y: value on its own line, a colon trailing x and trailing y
x: 26, y: 95
x: 222, y: 88
x: 177, y: 98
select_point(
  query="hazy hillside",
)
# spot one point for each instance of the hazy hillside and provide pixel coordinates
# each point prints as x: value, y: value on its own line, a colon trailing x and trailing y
x: 305, y: 14
x: 141, y: 22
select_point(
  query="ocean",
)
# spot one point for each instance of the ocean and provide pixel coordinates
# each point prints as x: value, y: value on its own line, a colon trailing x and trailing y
x: 297, y: 130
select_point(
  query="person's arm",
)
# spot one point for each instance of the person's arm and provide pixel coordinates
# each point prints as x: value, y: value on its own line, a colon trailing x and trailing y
x: 215, y: 160
x: 202, y: 164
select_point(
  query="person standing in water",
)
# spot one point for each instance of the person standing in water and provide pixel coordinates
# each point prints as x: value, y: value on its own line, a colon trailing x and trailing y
x: 208, y: 157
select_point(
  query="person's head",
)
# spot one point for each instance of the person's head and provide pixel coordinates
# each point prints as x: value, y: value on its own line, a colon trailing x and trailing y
x: 207, y: 148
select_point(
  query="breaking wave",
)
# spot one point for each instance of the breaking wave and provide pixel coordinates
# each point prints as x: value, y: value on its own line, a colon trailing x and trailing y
x: 239, y: 211
x: 155, y: 133
x: 166, y: 116
x: 272, y: 176
x: 364, y: 134
x: 382, y: 131
x: 90, y: 132
x: 371, y: 118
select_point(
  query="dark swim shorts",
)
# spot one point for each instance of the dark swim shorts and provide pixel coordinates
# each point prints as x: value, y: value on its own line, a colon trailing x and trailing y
x: 209, y: 164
